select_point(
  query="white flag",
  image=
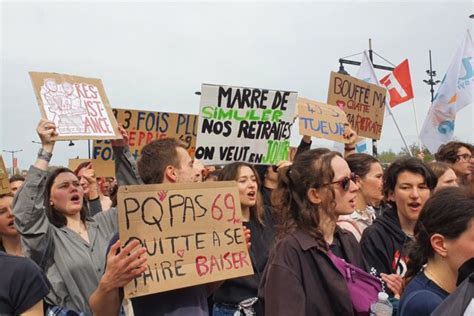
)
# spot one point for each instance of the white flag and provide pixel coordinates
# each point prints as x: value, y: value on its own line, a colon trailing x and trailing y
x: 366, y: 70
x: 454, y: 93
x: 367, y: 73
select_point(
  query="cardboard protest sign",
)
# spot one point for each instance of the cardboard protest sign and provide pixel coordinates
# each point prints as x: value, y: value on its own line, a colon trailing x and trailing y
x: 78, y: 106
x: 146, y: 126
x: 101, y: 168
x: 244, y: 124
x: 364, y: 103
x: 4, y: 182
x: 321, y: 120
x: 193, y: 234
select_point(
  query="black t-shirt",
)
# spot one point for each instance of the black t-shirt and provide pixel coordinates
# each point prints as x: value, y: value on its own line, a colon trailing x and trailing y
x: 233, y: 291
x: 22, y: 284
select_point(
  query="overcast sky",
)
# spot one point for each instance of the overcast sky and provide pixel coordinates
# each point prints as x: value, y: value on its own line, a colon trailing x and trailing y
x: 154, y: 55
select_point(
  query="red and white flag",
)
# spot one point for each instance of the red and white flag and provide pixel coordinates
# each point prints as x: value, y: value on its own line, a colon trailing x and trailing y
x: 398, y: 84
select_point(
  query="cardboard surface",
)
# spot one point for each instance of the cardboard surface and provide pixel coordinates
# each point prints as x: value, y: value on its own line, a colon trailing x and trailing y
x: 321, y: 120
x: 364, y: 103
x: 193, y: 234
x: 101, y: 168
x: 78, y: 106
x: 4, y: 180
x: 244, y: 124
x: 145, y: 126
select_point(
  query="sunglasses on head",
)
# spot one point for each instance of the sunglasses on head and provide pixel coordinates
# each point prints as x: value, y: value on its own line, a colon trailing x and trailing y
x: 346, y: 182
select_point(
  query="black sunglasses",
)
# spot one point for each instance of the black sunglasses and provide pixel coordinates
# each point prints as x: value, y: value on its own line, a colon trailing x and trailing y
x: 346, y: 182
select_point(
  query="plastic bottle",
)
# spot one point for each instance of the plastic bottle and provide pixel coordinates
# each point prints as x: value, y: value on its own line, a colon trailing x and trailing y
x: 382, y: 307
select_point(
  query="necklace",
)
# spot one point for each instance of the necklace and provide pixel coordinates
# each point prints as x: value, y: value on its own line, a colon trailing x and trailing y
x: 81, y: 230
x: 362, y: 213
x: 433, y: 279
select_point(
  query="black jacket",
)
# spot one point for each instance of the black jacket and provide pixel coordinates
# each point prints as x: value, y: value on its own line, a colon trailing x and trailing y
x: 233, y: 291
x: 384, y: 244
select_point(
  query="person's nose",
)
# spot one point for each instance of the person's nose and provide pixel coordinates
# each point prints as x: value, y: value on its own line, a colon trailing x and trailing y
x: 415, y: 193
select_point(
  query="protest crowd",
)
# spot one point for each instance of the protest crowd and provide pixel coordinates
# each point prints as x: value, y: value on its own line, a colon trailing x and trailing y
x: 225, y: 221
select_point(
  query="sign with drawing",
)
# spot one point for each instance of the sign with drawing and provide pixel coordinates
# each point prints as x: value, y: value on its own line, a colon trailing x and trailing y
x: 78, y: 106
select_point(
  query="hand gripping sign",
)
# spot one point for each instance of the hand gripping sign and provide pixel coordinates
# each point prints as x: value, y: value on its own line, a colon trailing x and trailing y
x: 193, y: 234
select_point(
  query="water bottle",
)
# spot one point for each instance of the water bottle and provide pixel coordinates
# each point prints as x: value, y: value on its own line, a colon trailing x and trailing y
x: 382, y: 307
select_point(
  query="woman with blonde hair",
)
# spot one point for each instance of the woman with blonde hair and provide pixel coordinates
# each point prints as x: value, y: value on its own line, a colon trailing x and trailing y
x: 445, y: 175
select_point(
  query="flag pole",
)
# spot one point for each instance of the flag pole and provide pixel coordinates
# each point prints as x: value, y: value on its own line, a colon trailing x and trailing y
x: 416, y: 125
x: 398, y: 128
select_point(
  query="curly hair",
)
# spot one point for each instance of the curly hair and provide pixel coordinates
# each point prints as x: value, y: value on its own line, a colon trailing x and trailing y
x: 449, y: 151
x: 311, y: 169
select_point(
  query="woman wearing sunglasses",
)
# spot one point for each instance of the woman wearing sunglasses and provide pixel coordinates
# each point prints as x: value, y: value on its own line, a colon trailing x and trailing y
x: 300, y: 277
x: 369, y: 179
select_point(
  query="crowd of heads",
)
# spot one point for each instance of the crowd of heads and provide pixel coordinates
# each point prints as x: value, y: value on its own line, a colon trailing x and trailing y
x: 310, y: 194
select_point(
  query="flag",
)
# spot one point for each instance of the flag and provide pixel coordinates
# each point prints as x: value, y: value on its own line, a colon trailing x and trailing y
x: 361, y: 147
x: 454, y: 93
x: 398, y: 84
x: 367, y: 73
x: 366, y: 70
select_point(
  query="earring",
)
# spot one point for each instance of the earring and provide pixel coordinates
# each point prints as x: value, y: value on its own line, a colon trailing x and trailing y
x: 51, y: 203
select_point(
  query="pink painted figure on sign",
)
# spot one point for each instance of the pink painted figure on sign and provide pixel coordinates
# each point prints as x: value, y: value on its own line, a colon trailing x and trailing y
x: 65, y: 106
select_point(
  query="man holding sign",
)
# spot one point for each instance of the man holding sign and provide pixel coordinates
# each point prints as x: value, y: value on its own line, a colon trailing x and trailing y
x: 162, y: 161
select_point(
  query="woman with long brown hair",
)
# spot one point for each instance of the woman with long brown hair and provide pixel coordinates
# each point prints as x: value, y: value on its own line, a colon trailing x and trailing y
x: 301, y: 277
x: 240, y: 294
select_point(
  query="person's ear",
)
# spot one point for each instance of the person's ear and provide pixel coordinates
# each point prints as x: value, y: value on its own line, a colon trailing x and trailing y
x: 313, y: 196
x: 438, y: 243
x: 170, y: 173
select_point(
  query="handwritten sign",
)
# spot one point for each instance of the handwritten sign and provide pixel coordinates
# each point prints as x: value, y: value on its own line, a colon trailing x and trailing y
x: 145, y: 126
x: 4, y: 183
x: 244, y: 124
x: 192, y: 232
x: 321, y: 120
x: 101, y: 168
x: 78, y: 106
x: 364, y: 103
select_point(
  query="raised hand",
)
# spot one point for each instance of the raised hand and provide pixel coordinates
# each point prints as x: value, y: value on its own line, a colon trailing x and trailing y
x: 46, y: 131
x: 124, y: 266
x: 121, y: 142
